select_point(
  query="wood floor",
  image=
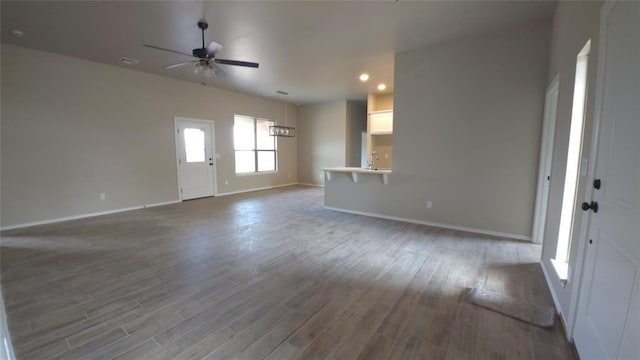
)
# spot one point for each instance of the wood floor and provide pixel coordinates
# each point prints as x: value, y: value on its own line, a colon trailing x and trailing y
x: 265, y: 275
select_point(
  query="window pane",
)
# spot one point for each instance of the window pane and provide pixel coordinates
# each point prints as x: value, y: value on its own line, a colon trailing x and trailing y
x: 266, y: 160
x: 265, y: 142
x: 194, y: 145
x: 245, y: 161
x: 243, y: 135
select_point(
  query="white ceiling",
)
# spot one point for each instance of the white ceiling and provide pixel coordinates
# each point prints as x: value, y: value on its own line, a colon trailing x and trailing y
x: 312, y: 49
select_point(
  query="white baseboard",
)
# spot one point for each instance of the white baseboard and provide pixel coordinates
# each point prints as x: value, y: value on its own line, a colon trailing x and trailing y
x: 82, y: 216
x: 314, y: 185
x: 556, y: 302
x: 440, y: 225
x: 255, y: 189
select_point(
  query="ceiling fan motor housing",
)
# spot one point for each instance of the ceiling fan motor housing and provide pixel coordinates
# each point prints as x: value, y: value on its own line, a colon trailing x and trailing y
x: 200, y: 53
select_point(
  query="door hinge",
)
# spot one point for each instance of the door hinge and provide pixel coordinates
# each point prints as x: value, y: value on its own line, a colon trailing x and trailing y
x: 179, y: 161
x: 178, y: 130
x: 180, y: 190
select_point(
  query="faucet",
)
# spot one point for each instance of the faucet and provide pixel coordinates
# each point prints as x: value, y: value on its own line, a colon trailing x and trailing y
x: 372, y: 161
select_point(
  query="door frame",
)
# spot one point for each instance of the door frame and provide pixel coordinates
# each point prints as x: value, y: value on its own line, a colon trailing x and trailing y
x: 176, y: 120
x: 547, y: 141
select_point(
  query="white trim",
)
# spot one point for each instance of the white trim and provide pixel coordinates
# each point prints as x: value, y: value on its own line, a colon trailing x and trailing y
x: 435, y: 224
x: 556, y: 302
x: 255, y: 189
x: 547, y: 142
x: 83, y: 216
x: 309, y: 184
x: 6, y: 349
x: 257, y: 173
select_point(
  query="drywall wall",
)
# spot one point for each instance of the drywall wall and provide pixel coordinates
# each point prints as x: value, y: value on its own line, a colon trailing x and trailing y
x: 574, y: 23
x: 322, y: 139
x: 467, y: 122
x: 356, y: 127
x: 72, y: 129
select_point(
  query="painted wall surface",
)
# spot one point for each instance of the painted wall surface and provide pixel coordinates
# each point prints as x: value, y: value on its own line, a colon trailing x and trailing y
x: 467, y: 122
x: 72, y: 129
x: 356, y: 127
x: 322, y: 134
x: 574, y: 23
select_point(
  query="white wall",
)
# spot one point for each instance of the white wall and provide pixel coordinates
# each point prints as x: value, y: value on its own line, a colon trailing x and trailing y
x: 322, y: 139
x: 573, y: 24
x: 467, y: 122
x: 72, y: 129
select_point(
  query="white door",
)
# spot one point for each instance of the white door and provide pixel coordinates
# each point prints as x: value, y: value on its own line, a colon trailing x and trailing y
x: 546, y: 155
x: 195, y: 157
x: 608, y: 318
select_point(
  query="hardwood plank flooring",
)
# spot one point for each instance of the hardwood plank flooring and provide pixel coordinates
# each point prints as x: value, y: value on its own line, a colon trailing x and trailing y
x: 265, y: 275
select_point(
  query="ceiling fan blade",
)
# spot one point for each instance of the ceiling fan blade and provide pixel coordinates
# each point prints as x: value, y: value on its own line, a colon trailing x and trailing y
x: 237, y: 63
x: 180, y: 64
x: 169, y: 50
x: 219, y: 72
x: 213, y: 48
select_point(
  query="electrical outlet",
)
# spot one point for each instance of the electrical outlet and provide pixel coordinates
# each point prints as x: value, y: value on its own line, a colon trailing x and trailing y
x: 226, y: 182
x: 103, y: 196
x: 429, y: 204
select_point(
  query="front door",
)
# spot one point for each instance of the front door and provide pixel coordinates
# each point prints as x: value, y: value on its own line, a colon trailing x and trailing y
x: 195, y: 157
x: 608, y: 318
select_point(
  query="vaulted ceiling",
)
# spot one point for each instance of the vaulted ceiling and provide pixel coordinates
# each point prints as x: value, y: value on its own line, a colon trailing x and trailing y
x: 315, y: 50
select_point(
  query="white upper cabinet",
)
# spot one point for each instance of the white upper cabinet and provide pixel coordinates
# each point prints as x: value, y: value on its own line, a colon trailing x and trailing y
x: 381, y: 122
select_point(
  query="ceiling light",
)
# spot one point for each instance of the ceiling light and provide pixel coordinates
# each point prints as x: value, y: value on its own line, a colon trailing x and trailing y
x: 382, y: 87
x: 364, y: 77
x: 129, y: 61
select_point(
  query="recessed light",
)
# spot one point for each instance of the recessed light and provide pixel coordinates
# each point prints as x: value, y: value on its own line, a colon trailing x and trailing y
x: 382, y: 87
x: 17, y: 33
x: 129, y: 61
x: 364, y: 77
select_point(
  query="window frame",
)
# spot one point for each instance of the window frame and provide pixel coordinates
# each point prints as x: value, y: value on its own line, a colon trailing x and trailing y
x: 255, y: 149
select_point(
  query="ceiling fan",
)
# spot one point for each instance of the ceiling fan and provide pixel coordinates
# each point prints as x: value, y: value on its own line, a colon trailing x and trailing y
x: 205, y: 56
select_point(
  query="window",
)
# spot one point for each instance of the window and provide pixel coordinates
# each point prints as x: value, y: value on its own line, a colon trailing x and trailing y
x: 255, y: 149
x: 565, y: 232
x: 194, y: 145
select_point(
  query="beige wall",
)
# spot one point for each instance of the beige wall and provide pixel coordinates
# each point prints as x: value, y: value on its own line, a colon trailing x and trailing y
x: 72, y: 129
x: 573, y: 24
x: 467, y: 122
x: 322, y: 139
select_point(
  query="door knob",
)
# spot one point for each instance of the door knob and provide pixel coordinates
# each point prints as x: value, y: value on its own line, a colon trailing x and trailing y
x: 593, y: 206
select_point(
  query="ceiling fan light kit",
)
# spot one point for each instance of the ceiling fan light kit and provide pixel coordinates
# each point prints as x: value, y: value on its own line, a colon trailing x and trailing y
x: 205, y: 57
